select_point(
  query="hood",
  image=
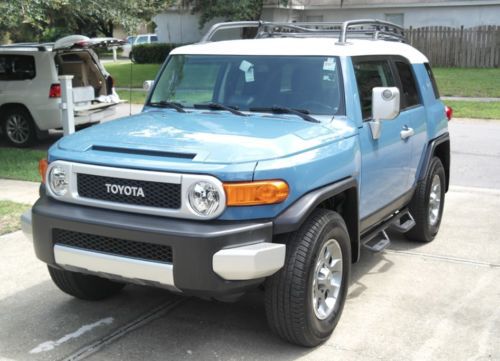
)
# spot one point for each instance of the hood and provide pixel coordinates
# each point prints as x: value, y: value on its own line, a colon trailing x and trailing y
x: 207, y: 136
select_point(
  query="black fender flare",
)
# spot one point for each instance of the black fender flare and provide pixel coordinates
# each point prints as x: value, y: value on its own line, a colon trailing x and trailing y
x: 443, y: 142
x: 295, y: 215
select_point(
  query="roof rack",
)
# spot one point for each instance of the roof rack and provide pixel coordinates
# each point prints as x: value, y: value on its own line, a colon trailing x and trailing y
x: 39, y: 47
x: 359, y: 29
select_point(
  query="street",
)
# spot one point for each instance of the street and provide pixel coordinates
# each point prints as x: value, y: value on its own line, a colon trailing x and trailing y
x: 437, y: 301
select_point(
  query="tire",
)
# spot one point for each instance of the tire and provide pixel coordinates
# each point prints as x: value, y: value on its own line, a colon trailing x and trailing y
x: 426, y: 205
x: 82, y: 286
x: 290, y: 309
x: 18, y: 127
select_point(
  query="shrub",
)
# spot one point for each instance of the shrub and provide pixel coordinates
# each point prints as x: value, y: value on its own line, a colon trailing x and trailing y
x: 152, y: 53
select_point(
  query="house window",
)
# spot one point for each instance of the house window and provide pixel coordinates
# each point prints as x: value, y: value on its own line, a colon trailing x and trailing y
x: 398, y: 19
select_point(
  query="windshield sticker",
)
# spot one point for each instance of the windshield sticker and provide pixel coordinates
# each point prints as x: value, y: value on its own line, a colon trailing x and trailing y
x: 329, y: 64
x: 247, y: 68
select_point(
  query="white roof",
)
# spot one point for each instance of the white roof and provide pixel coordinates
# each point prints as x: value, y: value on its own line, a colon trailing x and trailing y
x: 304, y: 46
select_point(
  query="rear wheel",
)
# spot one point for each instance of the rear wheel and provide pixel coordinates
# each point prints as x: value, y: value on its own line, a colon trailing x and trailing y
x: 18, y: 127
x: 85, y: 287
x: 304, y: 300
x: 427, y: 204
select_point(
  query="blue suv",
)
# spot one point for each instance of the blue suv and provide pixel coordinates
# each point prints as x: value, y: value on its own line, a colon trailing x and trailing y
x: 256, y: 163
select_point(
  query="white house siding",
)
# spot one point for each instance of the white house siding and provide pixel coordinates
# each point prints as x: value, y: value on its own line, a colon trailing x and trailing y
x: 468, y: 16
x: 180, y: 26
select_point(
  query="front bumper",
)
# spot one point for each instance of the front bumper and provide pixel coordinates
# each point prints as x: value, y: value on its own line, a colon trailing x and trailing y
x: 210, y: 258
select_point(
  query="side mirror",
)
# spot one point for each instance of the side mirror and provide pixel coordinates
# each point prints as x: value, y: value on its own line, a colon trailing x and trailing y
x: 385, y: 106
x: 385, y: 103
x: 148, y: 84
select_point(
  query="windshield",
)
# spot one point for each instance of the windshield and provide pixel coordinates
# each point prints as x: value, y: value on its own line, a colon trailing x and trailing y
x: 307, y: 83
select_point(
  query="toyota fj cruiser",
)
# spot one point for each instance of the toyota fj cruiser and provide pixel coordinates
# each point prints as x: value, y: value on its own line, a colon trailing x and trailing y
x: 260, y: 162
x: 30, y: 93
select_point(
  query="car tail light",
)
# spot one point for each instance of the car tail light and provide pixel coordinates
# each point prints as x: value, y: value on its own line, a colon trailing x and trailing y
x: 112, y: 81
x: 82, y: 43
x: 55, y: 91
x: 42, y: 168
x: 449, y: 112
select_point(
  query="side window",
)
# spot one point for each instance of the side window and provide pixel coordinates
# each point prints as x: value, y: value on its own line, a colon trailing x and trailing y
x: 154, y: 39
x: 433, y: 80
x: 409, y: 93
x: 371, y: 74
x: 141, y: 39
x: 17, y: 67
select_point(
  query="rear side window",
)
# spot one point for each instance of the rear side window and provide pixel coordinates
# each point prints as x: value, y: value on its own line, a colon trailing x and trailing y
x: 433, y: 80
x: 141, y: 40
x: 371, y: 74
x: 154, y: 39
x: 409, y: 92
x: 17, y: 67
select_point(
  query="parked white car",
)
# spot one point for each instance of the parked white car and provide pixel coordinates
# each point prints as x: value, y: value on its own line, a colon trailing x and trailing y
x: 30, y: 93
x: 136, y: 40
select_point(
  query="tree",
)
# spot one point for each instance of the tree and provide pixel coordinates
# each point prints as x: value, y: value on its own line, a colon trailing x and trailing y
x: 87, y: 17
x: 229, y: 10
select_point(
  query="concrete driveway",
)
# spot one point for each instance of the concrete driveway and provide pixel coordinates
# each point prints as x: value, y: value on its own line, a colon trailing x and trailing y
x: 121, y: 110
x: 437, y: 301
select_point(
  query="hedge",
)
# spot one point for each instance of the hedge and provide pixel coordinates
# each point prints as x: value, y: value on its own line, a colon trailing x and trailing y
x: 155, y: 53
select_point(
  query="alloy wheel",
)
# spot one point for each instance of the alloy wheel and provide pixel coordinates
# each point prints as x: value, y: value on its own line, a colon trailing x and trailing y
x: 327, y: 279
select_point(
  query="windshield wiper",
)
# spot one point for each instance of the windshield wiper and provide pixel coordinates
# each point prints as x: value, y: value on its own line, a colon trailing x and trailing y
x: 304, y: 114
x: 219, y: 106
x: 164, y: 104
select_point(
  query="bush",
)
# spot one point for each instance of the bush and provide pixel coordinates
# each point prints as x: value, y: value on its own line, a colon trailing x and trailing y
x: 151, y: 53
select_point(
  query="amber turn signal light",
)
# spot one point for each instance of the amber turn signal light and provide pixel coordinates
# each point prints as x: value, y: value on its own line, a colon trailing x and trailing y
x: 256, y: 193
x: 42, y: 168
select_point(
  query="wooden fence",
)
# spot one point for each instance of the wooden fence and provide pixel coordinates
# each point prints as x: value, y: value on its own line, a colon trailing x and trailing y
x: 477, y: 47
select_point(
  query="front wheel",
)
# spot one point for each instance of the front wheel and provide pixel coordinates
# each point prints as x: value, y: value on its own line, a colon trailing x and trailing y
x: 82, y: 286
x: 427, y: 204
x: 304, y: 300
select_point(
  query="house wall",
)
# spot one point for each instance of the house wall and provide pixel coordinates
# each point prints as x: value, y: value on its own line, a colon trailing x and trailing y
x: 468, y: 16
x: 177, y: 27
x: 182, y: 27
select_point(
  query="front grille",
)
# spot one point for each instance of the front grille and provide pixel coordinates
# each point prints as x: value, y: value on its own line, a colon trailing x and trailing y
x: 113, y: 246
x: 152, y: 194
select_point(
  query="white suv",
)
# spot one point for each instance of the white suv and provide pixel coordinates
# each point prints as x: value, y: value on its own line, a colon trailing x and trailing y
x: 137, y: 40
x: 30, y: 91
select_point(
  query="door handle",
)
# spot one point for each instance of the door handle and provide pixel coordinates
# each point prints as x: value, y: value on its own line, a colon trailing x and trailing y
x: 407, y: 132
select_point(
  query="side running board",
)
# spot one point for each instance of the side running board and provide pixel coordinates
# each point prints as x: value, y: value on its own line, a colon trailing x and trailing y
x: 404, y: 223
x: 377, y: 239
x: 378, y: 243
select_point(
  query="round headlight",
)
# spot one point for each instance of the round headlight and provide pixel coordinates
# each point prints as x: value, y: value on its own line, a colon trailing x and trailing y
x: 204, y: 198
x: 58, y: 181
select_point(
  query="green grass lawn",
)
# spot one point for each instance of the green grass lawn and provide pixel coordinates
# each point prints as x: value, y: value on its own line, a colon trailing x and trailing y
x: 124, y: 78
x: 138, y: 97
x: 20, y: 164
x: 9, y: 216
x: 479, y: 110
x: 468, y: 82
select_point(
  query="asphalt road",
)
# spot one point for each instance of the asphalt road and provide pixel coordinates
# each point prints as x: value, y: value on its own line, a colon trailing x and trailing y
x: 437, y: 301
x: 475, y: 147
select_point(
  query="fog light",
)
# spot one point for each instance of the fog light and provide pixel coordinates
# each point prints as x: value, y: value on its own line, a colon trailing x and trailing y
x: 58, y: 181
x: 204, y: 198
